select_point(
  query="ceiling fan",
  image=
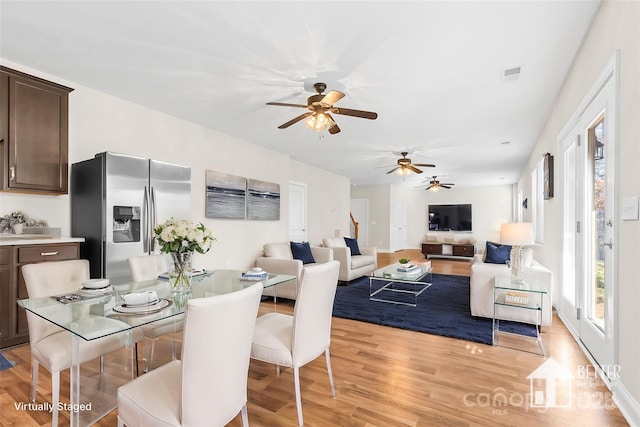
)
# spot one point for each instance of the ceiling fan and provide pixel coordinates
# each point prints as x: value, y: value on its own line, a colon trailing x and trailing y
x: 435, y: 185
x: 405, y: 167
x: 319, y: 107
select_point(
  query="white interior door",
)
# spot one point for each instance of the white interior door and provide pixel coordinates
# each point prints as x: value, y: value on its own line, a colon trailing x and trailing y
x: 297, y: 212
x: 399, y: 225
x: 360, y: 212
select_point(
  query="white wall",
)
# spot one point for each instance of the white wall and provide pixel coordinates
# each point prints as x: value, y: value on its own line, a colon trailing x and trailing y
x: 379, y: 197
x: 100, y: 122
x: 491, y: 206
x: 616, y: 27
x: 330, y: 201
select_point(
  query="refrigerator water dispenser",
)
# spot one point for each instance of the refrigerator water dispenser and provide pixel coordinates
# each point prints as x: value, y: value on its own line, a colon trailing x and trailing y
x: 126, y: 224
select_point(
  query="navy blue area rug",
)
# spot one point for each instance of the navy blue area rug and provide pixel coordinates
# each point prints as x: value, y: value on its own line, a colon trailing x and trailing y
x: 443, y: 309
x: 5, y: 363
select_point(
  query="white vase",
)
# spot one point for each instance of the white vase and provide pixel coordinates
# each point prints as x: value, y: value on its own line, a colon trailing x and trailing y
x: 17, y: 228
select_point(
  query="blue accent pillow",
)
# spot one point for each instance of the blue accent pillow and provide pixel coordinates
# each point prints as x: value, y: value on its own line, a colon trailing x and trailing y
x: 497, y: 253
x: 302, y: 251
x: 353, y: 245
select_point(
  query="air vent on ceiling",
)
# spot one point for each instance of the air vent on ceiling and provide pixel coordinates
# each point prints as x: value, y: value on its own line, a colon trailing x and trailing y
x: 511, y: 74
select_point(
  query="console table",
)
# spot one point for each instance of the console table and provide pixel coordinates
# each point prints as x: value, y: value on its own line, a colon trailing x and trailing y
x: 447, y: 250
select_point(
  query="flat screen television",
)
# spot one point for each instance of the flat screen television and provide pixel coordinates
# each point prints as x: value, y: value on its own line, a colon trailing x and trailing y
x: 450, y: 217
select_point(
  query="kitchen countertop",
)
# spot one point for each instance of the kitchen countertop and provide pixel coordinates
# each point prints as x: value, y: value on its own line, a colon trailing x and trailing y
x: 35, y: 239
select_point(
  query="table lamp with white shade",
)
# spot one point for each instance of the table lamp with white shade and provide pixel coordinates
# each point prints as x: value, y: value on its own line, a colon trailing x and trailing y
x: 517, y: 235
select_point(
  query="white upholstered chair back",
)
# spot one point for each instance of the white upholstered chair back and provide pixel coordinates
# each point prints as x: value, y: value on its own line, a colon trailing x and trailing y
x: 147, y: 267
x: 208, y: 387
x: 215, y: 357
x: 47, y: 279
x: 313, y: 312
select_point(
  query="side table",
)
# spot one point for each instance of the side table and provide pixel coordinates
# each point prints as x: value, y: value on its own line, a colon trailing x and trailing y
x: 525, y: 294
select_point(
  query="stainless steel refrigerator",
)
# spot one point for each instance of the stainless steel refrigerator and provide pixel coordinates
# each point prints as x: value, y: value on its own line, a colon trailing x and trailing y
x: 116, y: 202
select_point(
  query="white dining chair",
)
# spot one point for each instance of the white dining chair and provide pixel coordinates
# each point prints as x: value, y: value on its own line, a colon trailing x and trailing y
x: 51, y: 345
x: 148, y: 267
x: 208, y: 386
x: 294, y: 341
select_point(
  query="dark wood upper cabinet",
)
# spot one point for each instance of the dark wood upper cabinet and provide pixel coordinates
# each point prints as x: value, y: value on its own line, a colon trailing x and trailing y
x: 33, y: 134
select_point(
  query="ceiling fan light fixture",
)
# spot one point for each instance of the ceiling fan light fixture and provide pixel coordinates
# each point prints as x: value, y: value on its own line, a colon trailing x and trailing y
x: 434, y: 189
x: 318, y: 121
x: 402, y: 171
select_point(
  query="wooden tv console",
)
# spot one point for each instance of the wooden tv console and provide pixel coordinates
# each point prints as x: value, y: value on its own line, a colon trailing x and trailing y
x: 447, y: 250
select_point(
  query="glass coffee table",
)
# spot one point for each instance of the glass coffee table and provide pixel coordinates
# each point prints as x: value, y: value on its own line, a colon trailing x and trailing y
x: 388, y: 284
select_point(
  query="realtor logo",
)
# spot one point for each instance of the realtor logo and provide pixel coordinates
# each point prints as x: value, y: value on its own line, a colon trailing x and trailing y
x: 550, y: 386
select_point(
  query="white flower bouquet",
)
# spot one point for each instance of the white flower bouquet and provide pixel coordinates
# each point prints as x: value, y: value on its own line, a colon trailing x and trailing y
x: 183, y: 236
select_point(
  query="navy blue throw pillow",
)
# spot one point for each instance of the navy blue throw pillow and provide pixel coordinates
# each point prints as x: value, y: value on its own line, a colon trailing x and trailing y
x: 353, y: 245
x: 497, y: 253
x: 302, y: 251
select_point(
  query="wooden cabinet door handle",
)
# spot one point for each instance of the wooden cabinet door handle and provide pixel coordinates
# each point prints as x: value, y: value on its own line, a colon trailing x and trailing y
x: 49, y: 253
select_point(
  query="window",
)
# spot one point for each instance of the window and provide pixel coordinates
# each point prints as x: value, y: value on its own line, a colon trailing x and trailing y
x: 537, y: 201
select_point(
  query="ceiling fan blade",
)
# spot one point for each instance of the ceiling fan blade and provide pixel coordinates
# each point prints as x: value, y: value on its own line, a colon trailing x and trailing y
x: 425, y: 165
x: 331, y: 98
x: 413, y: 168
x: 355, y: 113
x: 334, y: 129
x: 295, y: 120
x: 385, y: 166
x: 284, y: 104
x: 444, y: 186
x: 430, y: 187
x: 446, y: 183
x: 394, y: 169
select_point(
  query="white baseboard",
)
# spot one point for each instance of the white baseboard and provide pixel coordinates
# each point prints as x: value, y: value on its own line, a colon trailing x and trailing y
x: 628, y: 405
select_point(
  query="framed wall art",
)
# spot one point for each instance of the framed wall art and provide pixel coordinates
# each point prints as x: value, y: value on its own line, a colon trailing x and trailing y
x: 263, y: 200
x: 225, y: 195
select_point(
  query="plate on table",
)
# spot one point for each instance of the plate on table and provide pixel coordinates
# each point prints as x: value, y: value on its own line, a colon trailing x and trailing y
x: 159, y: 305
x: 95, y: 283
x: 142, y: 304
x: 89, y: 292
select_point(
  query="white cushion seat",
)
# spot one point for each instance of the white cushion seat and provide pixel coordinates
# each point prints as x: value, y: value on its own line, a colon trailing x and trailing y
x: 155, y: 401
x: 272, y: 339
x: 361, y: 261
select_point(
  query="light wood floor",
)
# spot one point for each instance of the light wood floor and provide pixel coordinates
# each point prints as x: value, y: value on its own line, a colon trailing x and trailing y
x: 385, y: 377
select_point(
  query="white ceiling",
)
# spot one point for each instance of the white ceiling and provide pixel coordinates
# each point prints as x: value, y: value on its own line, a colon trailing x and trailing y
x: 431, y: 70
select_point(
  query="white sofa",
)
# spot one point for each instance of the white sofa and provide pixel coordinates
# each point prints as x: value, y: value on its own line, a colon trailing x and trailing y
x: 278, y: 259
x: 481, y: 291
x: 352, y: 266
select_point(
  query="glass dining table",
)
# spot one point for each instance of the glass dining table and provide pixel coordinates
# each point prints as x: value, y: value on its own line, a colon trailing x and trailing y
x: 94, y: 392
